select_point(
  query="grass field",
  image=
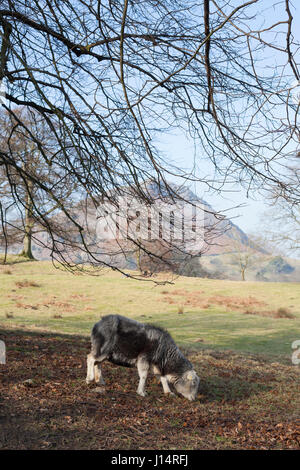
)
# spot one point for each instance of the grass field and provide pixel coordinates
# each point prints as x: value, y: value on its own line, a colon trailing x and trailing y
x: 241, y: 316
x: 238, y: 336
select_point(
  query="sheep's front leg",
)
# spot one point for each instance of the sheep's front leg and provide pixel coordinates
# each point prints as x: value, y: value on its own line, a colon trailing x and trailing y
x: 143, y: 368
x: 94, y: 371
x: 90, y: 376
x: 166, y: 386
x: 98, y: 374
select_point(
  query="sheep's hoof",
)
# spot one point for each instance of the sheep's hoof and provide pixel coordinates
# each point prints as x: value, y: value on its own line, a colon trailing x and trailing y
x: 100, y: 382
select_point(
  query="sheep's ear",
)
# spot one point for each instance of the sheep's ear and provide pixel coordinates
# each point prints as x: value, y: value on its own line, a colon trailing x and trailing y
x: 191, y: 375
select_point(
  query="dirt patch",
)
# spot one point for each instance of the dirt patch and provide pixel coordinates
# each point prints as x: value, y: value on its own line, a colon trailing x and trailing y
x: 26, y: 306
x: 243, y: 402
x: 65, y: 306
x: 279, y: 313
x: 21, y: 284
x: 198, y: 299
x: 6, y: 271
x: 81, y: 297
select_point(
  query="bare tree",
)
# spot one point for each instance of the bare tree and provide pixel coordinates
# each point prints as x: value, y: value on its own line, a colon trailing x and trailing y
x: 281, y: 223
x: 282, y: 227
x: 21, y: 196
x: 250, y: 253
x: 243, y: 257
x: 107, y: 77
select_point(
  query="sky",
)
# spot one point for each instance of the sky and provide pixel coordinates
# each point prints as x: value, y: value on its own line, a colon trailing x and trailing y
x: 250, y: 213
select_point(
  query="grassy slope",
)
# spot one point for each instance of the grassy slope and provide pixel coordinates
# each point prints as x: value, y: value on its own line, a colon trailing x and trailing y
x: 79, y: 301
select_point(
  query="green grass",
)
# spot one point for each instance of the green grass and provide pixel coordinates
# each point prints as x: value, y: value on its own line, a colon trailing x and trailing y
x: 204, y: 324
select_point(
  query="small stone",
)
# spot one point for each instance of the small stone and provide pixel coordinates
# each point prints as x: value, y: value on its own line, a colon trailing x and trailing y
x: 100, y: 390
x: 29, y: 382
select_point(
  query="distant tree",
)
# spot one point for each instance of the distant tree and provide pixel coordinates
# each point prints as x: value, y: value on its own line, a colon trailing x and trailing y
x: 22, y: 200
x: 282, y: 227
x: 281, y: 223
x: 244, y: 256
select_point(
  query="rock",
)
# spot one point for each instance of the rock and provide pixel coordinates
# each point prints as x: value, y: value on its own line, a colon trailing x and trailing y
x: 100, y: 390
x: 29, y: 382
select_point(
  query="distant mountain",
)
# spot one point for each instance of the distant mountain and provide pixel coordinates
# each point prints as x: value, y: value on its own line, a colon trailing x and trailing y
x: 222, y: 234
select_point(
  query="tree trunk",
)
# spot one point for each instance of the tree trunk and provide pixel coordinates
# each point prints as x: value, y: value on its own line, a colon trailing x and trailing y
x: 4, y: 236
x: 29, y: 223
x: 138, y: 259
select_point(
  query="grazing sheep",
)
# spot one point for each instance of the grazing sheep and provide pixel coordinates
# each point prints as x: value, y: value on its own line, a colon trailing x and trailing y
x: 129, y: 343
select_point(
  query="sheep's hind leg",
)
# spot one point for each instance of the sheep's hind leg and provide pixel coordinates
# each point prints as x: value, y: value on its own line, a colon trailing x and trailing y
x: 143, y: 368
